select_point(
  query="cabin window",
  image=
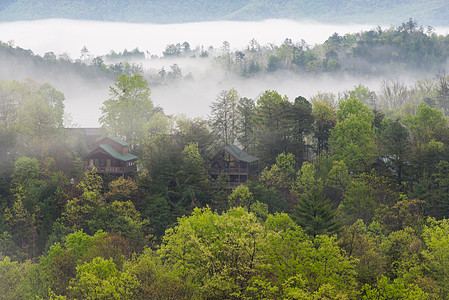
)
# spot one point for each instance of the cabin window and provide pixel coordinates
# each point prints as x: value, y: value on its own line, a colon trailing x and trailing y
x: 108, y: 162
x: 96, y: 162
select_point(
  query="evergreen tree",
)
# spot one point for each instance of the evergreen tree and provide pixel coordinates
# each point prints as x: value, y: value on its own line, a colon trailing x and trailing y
x: 315, y: 215
x: 395, y: 146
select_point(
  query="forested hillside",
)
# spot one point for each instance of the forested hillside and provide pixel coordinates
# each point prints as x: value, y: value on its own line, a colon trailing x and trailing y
x: 347, y: 197
x: 174, y: 11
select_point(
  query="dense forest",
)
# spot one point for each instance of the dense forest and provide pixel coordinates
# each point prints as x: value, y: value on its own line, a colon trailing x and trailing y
x: 175, y: 11
x: 349, y: 199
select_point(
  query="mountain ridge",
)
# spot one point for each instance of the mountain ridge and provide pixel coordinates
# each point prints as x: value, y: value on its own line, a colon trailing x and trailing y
x: 432, y: 12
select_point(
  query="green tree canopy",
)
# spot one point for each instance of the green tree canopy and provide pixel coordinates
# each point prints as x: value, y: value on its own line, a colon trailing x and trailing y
x: 128, y: 109
x: 352, y: 139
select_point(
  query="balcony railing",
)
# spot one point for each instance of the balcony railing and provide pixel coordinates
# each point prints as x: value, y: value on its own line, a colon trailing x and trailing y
x: 229, y: 170
x: 116, y: 170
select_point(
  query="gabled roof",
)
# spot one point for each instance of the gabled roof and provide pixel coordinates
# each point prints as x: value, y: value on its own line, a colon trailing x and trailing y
x: 239, y: 154
x: 114, y: 153
x: 118, y: 141
x: 90, y: 131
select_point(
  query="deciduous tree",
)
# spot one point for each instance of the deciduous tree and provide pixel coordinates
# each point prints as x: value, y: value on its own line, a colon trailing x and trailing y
x: 128, y: 109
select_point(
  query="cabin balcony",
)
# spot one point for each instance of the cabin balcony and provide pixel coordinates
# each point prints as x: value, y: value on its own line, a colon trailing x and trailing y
x: 115, y: 170
x: 230, y: 171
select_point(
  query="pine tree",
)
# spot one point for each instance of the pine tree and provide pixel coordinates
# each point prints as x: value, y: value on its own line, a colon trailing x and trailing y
x: 315, y: 215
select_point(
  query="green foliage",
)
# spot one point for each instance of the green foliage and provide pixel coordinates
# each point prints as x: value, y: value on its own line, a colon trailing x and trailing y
x: 195, y: 131
x: 127, y: 110
x: 272, y: 197
x: 159, y: 124
x: 23, y: 227
x: 338, y: 177
x: 281, y: 174
x: 25, y: 169
x: 436, y: 238
x: 15, y: 281
x: 100, y: 279
x: 428, y: 130
x: 354, y: 106
x: 224, y: 117
x: 307, y: 180
x: 325, y: 120
x: 290, y: 256
x: 194, y: 171
x: 281, y: 126
x: 364, y: 94
x: 362, y: 244
x: 401, y: 249
x: 395, y: 146
x: 83, y: 262
x: 121, y: 217
x: 315, y: 215
x: 216, y: 253
x: 32, y: 113
x: 404, y: 213
x: 158, y: 211
x: 157, y: 281
x: 434, y: 190
x: 245, y: 125
x: 359, y: 202
x: 78, y: 243
x: 78, y: 211
x: 352, y: 139
x: 393, y: 290
x: 8, y: 247
x: 428, y: 123
x: 387, y: 172
x: 122, y: 190
x: 57, y: 268
x: 241, y: 196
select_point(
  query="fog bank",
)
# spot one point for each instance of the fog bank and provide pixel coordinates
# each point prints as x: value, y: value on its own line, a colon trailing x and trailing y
x: 69, y: 36
x: 192, y: 97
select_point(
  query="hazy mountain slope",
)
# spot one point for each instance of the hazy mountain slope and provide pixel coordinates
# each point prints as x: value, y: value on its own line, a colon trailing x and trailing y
x: 168, y: 11
x: 431, y: 12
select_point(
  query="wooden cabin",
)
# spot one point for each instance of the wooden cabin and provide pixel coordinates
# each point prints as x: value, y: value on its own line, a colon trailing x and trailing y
x: 110, y: 156
x: 233, y: 161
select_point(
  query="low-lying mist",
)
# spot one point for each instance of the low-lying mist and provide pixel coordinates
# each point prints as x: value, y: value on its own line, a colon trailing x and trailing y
x: 69, y: 36
x: 84, y: 96
x: 193, y: 97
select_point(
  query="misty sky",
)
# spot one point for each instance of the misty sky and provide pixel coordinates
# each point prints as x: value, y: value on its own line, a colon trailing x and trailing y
x: 194, y: 98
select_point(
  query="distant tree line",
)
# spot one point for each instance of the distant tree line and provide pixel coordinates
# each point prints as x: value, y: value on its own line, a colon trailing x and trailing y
x: 385, y: 52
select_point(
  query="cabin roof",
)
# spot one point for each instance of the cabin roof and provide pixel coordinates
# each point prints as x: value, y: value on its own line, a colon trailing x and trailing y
x: 91, y: 131
x: 239, y: 154
x: 118, y: 141
x: 86, y: 130
x: 117, y: 155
